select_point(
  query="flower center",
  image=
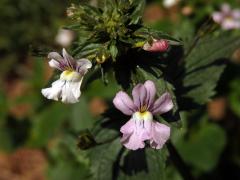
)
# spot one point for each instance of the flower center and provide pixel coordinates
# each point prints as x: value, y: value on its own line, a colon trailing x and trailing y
x: 70, y: 75
x: 143, y: 109
x: 143, y: 115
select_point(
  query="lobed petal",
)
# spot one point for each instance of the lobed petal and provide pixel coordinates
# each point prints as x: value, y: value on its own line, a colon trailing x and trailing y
x: 217, y: 17
x: 55, y: 91
x: 55, y: 64
x: 83, y: 65
x: 160, y: 135
x: 151, y: 92
x: 139, y: 94
x: 71, y: 91
x: 68, y: 60
x: 236, y: 14
x: 66, y: 91
x: 132, y: 135
x: 226, y: 9
x: 162, y: 105
x: 55, y: 56
x: 124, y: 103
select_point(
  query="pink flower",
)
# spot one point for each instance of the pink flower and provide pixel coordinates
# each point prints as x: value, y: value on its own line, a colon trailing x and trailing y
x: 141, y: 127
x: 227, y: 18
x: 161, y: 45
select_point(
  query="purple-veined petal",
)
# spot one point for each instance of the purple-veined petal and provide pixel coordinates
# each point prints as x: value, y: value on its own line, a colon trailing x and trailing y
x: 162, y: 105
x: 132, y: 135
x: 139, y: 94
x: 160, y: 135
x: 128, y: 128
x: 55, y: 56
x: 124, y: 103
x: 68, y: 59
x: 132, y: 142
x: 55, y: 64
x: 83, y: 65
x: 151, y: 92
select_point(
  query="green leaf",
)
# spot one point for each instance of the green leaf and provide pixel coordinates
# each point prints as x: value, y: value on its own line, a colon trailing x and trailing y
x: 67, y: 162
x: 113, y: 51
x: 203, y: 67
x: 47, y: 123
x: 202, y: 149
x: 137, y: 14
x: 144, y: 164
x: 102, y: 159
x: 81, y: 117
x: 234, y: 96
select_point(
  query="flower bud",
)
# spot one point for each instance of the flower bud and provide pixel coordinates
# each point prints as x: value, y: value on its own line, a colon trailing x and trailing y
x: 102, y: 56
x: 161, y: 45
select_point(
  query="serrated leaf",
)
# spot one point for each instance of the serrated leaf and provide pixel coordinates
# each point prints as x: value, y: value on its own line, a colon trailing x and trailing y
x: 203, y: 67
x: 144, y: 164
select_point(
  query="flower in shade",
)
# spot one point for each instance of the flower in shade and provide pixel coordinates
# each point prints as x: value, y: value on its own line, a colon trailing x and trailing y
x: 67, y: 88
x: 161, y: 45
x: 141, y: 127
x: 228, y: 18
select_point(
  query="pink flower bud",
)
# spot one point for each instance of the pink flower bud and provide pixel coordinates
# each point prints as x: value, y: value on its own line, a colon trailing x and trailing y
x: 161, y: 45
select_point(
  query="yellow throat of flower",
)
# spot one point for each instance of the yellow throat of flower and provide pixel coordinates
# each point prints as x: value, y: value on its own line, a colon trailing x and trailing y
x: 146, y: 115
x: 70, y: 75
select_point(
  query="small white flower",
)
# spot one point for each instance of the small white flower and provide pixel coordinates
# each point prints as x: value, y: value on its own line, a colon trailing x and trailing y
x: 67, y: 88
x: 170, y: 3
x: 64, y: 37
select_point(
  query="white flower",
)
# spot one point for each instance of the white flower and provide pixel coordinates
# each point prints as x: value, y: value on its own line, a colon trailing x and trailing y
x: 170, y: 3
x: 67, y: 88
x: 64, y: 37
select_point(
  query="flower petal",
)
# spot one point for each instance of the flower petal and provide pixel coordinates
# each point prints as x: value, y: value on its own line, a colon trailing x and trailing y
x: 236, y: 14
x: 55, y: 56
x: 151, y: 92
x: 217, y: 17
x: 83, y: 65
x: 162, y: 104
x: 128, y: 128
x: 160, y: 135
x: 54, y: 92
x: 68, y: 59
x: 124, y: 103
x: 71, y: 91
x: 132, y: 137
x: 55, y: 64
x: 226, y: 9
x: 139, y: 94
